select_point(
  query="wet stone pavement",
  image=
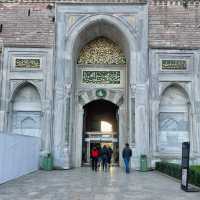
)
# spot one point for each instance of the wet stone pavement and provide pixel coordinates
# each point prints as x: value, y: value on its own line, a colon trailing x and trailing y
x: 84, y: 184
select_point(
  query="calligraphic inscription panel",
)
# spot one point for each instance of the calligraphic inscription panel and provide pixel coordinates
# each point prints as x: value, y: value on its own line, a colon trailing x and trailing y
x: 101, y: 77
x: 173, y: 64
x: 32, y: 63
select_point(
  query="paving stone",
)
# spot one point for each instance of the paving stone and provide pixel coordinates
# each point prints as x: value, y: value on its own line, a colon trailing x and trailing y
x: 84, y: 184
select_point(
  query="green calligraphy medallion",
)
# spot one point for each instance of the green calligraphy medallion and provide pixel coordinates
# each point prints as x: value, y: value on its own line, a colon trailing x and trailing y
x: 101, y: 93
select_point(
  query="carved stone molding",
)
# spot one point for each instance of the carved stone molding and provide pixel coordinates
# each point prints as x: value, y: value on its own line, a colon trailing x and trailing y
x: 197, y: 107
x: 68, y: 90
x: 154, y: 87
x: 133, y: 90
x: 115, y: 97
x: 46, y: 105
x: 59, y: 91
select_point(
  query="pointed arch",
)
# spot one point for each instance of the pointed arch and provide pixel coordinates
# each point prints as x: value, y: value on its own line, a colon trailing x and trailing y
x: 175, y: 85
x: 100, y: 126
x: 22, y: 84
x: 80, y: 36
x: 26, y: 110
x: 174, y: 119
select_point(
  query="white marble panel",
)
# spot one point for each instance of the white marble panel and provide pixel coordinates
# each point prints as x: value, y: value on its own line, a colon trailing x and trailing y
x: 19, y: 155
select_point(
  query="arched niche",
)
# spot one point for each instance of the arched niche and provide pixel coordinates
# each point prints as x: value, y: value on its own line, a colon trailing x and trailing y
x: 174, y: 119
x: 26, y: 111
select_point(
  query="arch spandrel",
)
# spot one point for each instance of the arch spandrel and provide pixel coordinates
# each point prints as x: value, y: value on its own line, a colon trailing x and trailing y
x: 129, y: 39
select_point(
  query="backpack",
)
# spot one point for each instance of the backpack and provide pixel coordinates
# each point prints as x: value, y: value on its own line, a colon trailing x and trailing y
x: 104, y: 152
x: 95, y: 153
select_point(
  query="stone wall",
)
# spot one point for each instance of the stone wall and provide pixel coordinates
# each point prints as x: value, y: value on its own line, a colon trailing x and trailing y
x: 171, y: 23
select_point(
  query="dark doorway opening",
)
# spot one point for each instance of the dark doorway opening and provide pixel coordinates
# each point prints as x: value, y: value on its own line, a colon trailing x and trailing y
x: 100, y: 127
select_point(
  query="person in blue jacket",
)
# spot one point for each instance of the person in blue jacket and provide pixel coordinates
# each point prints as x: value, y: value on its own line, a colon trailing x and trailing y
x: 126, y: 154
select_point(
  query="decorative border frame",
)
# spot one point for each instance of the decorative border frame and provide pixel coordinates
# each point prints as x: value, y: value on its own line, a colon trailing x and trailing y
x: 175, y: 56
x: 27, y: 55
x: 121, y: 69
x: 26, y: 58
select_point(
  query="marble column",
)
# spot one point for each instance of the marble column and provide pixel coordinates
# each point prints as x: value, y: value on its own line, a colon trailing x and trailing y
x: 58, y: 110
x: 123, y: 131
x: 141, y: 123
x: 78, y: 135
x: 2, y: 119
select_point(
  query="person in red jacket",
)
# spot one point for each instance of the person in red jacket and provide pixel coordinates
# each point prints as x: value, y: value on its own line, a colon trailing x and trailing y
x: 95, y: 155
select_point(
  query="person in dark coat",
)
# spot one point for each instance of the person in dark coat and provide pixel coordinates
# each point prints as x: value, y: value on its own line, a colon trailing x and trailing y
x: 99, y: 159
x: 104, y: 157
x: 95, y: 155
x: 110, y: 152
x: 126, y: 154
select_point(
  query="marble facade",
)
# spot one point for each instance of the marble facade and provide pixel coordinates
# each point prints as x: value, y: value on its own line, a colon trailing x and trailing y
x: 158, y: 100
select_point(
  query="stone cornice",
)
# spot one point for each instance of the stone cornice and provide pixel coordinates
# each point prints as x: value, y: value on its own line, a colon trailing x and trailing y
x: 78, y: 1
x: 183, y: 3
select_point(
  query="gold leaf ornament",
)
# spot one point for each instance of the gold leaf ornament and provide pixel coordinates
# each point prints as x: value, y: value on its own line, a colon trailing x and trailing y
x: 101, y: 51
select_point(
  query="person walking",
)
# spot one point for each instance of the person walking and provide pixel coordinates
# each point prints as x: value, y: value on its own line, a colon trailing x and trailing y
x: 110, y: 152
x: 95, y: 155
x: 126, y: 154
x: 104, y: 157
x: 99, y: 158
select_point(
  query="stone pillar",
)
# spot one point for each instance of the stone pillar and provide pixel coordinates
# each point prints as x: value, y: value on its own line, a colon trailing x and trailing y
x: 2, y: 119
x: 62, y: 99
x: 141, y: 123
x: 78, y: 135
x: 2, y: 92
x: 4, y: 115
x: 58, y: 149
x: 194, y: 129
x: 123, y: 131
x: 197, y: 139
x: 132, y: 115
x: 47, y: 128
